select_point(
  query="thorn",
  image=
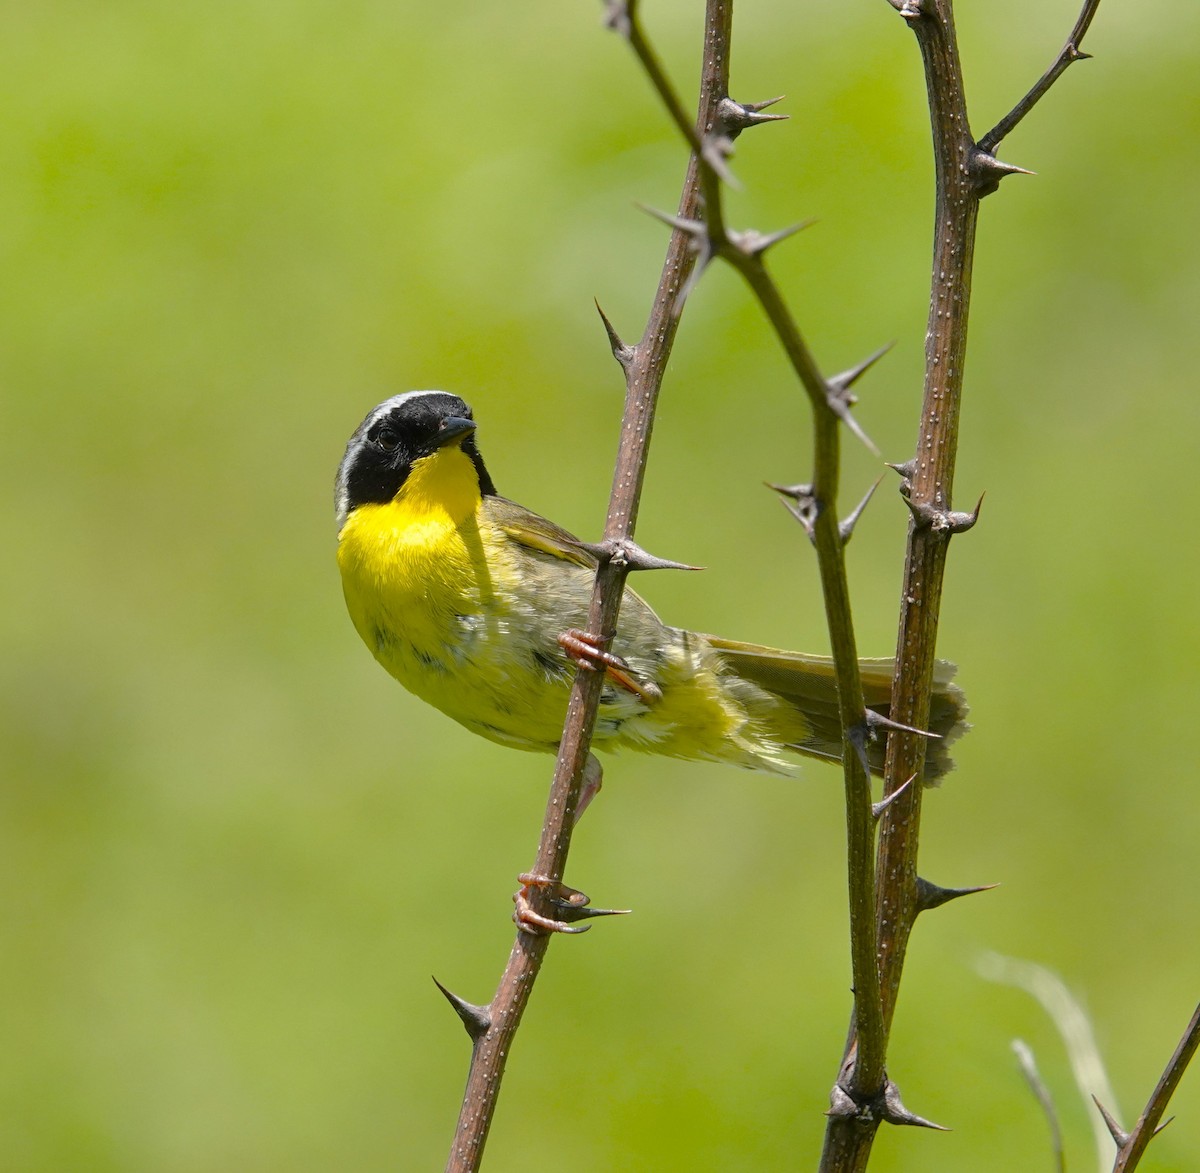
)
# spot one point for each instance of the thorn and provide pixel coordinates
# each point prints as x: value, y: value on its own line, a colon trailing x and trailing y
x: 477, y: 1019
x: 617, y: 17
x: 753, y: 243
x: 934, y: 896
x: 806, y: 517
x: 842, y: 411
x: 694, y: 228
x: 756, y: 107
x: 622, y: 353
x: 802, y: 504
x: 1161, y: 1127
x: 849, y: 377
x: 715, y: 149
x: 906, y: 470
x: 947, y: 521
x: 839, y: 400
x: 1119, y: 1135
x: 867, y: 730
x: 877, y: 808
x: 734, y: 117
x: 894, y: 1111
x: 841, y: 1103
x: 887, y: 1106
x: 858, y: 736
x: 1075, y: 53
x: 627, y: 553
x: 987, y: 171
x: 704, y: 256
x: 573, y: 914
x: 702, y: 246
x: 876, y: 721
x: 796, y: 492
x: 846, y: 527
x: 989, y: 163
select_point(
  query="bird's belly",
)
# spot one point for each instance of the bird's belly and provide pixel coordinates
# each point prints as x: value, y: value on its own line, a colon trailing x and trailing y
x: 482, y: 670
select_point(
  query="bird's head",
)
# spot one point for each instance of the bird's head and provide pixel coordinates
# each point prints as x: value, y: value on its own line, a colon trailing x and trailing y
x: 394, y: 438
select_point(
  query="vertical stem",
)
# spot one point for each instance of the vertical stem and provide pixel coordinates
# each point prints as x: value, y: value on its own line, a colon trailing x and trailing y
x: 495, y: 1025
x: 955, y: 216
x: 865, y: 1073
x: 849, y: 1136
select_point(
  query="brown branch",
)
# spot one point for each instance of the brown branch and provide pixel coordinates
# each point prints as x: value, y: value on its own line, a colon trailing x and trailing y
x: 849, y: 1136
x: 493, y: 1027
x: 931, y: 475
x: 863, y: 1080
x: 964, y: 173
x: 1067, y: 55
x: 1147, y: 1126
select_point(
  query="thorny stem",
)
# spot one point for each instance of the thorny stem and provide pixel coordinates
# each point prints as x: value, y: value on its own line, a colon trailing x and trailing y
x: 1067, y: 55
x: 957, y: 209
x: 867, y: 1076
x: 848, y: 1138
x: 964, y: 175
x: 645, y: 363
x: 1147, y: 1125
x: 745, y: 254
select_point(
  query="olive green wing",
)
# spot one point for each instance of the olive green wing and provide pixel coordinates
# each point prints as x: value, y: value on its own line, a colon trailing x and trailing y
x: 536, y: 533
x: 560, y: 574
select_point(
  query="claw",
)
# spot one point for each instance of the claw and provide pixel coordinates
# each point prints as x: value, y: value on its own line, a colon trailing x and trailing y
x: 569, y: 903
x: 585, y: 651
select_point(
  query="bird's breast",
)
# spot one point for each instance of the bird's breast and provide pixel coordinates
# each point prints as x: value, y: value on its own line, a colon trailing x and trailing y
x: 417, y: 576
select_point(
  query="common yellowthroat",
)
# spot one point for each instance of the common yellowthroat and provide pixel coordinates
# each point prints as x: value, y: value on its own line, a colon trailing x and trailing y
x: 474, y: 604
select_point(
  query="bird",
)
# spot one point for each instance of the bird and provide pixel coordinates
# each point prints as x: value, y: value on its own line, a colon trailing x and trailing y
x: 479, y: 607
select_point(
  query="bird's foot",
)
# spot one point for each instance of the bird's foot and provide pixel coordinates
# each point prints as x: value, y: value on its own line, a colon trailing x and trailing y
x: 586, y: 651
x: 569, y: 903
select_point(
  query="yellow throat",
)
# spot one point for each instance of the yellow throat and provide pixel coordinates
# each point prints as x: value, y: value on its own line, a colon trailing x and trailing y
x: 411, y: 564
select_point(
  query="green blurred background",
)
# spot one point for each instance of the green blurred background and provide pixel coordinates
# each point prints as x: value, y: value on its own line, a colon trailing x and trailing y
x: 233, y: 852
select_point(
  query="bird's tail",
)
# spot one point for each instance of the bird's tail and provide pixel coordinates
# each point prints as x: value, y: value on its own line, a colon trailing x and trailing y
x: 808, y: 686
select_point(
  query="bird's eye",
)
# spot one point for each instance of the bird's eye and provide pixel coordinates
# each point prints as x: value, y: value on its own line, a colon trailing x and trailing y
x: 386, y: 439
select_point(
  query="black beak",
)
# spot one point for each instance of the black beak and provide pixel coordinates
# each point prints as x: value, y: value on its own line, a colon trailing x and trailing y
x: 453, y: 428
